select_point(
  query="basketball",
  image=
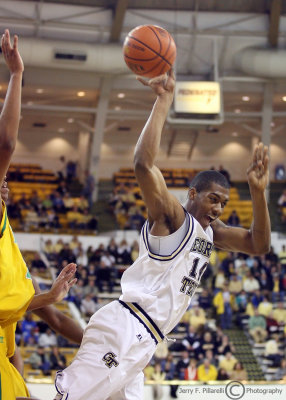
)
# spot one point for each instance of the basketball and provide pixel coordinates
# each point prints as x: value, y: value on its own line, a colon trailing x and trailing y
x: 149, y: 50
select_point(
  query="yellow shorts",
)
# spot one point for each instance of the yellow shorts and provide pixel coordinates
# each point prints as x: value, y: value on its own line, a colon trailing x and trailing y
x: 12, y: 383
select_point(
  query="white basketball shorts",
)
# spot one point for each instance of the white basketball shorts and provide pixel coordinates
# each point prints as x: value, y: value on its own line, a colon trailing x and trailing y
x: 115, y: 349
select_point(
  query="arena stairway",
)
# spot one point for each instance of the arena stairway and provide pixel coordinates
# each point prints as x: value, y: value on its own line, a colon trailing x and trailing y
x: 244, y: 354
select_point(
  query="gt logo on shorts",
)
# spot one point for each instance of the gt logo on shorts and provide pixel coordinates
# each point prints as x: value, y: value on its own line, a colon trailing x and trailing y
x: 110, y: 360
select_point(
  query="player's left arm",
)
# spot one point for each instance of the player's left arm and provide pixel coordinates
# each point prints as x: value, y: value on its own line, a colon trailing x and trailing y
x: 58, y: 321
x: 256, y: 240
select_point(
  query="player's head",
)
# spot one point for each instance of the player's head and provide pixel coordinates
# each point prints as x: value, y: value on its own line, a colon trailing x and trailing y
x: 208, y: 194
x: 204, y: 179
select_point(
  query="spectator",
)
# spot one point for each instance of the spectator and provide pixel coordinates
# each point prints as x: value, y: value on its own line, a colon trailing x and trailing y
x: 88, y: 306
x: 250, y: 284
x: 73, y: 218
x: 222, y: 302
x: 104, y: 276
x: 205, y: 301
x: 257, y: 327
x: 272, y: 351
x: 49, y: 250
x: 207, y: 343
x: 281, y: 372
x: 66, y: 254
x: 68, y: 202
x: 88, y: 188
x: 161, y: 351
x: 238, y: 373
x: 158, y: 375
x: 168, y: 367
x: 57, y: 359
x: 219, y: 280
x: 81, y: 258
x: 134, y: 250
x: 38, y: 263
x: 191, y: 372
x: 222, y: 375
x: 27, y: 326
x: 228, y: 362
x: 279, y: 314
x: 265, y: 307
x: 62, y: 168
x: 233, y: 219
x: 241, y: 301
x: 124, y: 253
x: 182, y: 364
x: 90, y: 289
x: 235, y: 285
x: 191, y: 342
x: 197, y: 318
x: 112, y: 248
x: 225, y: 346
x: 39, y: 360
x: 47, y: 339
x: 207, y: 372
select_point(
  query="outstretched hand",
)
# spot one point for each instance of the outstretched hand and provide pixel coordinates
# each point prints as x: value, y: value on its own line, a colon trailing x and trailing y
x: 11, y: 53
x: 162, y: 84
x: 63, y: 283
x: 258, y: 171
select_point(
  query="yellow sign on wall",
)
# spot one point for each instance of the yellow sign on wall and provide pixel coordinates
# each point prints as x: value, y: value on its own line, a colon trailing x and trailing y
x: 197, y: 97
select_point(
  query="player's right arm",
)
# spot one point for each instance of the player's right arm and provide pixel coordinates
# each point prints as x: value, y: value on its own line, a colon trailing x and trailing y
x: 165, y: 213
x: 10, y: 115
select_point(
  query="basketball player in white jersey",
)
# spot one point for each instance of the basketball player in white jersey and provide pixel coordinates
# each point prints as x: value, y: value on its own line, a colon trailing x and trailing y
x: 175, y: 247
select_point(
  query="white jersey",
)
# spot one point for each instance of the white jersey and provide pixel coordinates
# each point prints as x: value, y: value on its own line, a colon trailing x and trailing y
x: 163, y: 285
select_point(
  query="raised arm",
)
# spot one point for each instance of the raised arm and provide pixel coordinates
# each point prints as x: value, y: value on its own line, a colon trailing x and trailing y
x: 164, y: 211
x: 10, y: 115
x: 58, y: 321
x: 256, y: 240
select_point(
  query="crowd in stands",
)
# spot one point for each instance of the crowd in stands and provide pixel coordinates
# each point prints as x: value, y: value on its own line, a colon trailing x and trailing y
x: 238, y: 292
x: 49, y: 213
x: 128, y: 207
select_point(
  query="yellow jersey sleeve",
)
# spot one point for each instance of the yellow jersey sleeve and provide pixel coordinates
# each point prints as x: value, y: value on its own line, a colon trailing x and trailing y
x: 16, y: 287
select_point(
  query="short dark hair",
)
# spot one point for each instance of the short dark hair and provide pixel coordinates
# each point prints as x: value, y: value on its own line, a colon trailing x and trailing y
x: 203, y: 180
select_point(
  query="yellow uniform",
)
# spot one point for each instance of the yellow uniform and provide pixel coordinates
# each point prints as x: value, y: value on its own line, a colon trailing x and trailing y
x: 16, y: 292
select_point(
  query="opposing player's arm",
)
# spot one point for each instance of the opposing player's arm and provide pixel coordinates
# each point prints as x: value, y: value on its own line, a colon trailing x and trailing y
x: 10, y: 115
x: 161, y: 204
x: 58, y: 291
x: 256, y: 240
x: 58, y: 321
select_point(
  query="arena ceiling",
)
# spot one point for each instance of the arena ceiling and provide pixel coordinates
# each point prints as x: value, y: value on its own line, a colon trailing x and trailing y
x: 210, y: 34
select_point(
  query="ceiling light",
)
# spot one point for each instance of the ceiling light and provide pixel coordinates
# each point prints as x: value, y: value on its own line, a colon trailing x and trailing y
x: 245, y: 98
x: 61, y: 130
x: 284, y: 98
x: 234, y: 134
x: 39, y: 91
x: 70, y: 120
x: 117, y: 108
x: 81, y: 94
x: 121, y: 95
x: 237, y: 110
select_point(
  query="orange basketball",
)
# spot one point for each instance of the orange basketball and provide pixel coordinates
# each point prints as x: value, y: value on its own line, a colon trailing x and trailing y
x: 149, y: 50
